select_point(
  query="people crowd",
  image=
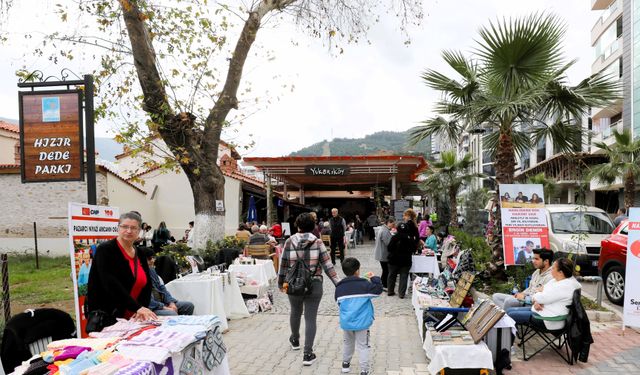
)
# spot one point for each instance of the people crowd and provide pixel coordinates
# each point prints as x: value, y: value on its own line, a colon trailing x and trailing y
x: 123, y: 281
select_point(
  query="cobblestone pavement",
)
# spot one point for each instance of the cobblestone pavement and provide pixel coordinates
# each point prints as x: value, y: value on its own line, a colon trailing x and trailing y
x: 259, y: 345
x: 264, y: 337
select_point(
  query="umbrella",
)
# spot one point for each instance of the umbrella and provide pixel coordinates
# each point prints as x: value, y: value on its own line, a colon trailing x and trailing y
x: 252, y: 215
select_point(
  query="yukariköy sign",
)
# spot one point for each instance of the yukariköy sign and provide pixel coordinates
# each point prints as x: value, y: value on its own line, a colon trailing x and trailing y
x: 327, y: 170
x: 51, y: 146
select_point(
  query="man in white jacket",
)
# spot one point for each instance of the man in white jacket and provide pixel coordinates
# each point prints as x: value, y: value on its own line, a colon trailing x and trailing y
x: 553, y: 298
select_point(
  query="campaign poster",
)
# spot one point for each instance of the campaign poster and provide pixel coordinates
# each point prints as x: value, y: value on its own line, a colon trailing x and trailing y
x: 631, y: 309
x: 524, y: 222
x: 88, y: 226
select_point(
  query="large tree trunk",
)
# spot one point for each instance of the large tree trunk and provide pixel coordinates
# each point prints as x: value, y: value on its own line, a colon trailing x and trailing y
x: 504, y: 164
x: 453, y: 203
x: 195, y: 146
x: 629, y: 190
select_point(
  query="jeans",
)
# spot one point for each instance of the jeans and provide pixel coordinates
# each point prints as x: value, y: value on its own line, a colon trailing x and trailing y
x: 310, y: 304
x: 394, y: 271
x: 505, y: 301
x: 184, y: 308
x: 520, y: 314
x: 361, y: 340
x: 385, y: 274
x: 337, y: 243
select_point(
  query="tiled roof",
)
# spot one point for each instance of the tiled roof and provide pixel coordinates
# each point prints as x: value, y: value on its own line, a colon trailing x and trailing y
x: 237, y: 175
x: 9, y: 127
x: 9, y: 166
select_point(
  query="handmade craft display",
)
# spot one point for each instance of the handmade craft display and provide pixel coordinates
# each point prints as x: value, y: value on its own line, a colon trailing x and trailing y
x: 462, y: 288
x: 452, y: 337
x: 481, y: 319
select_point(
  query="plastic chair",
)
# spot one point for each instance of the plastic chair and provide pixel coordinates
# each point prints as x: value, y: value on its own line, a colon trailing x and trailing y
x: 351, y: 240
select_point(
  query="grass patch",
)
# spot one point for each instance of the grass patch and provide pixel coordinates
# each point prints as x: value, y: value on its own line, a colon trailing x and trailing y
x: 591, y: 305
x: 29, y: 286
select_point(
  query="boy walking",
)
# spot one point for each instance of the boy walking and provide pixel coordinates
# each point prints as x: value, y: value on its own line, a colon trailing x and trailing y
x: 354, y: 295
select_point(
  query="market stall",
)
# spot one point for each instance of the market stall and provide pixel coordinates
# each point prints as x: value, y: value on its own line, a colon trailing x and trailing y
x: 451, y: 345
x: 171, y: 345
x: 211, y: 295
x: 262, y: 271
x: 425, y: 264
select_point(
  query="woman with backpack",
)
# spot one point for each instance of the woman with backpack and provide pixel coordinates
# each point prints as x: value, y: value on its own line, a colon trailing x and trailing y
x: 300, y: 276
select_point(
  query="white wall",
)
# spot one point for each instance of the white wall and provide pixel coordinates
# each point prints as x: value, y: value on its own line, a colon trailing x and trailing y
x: 173, y: 201
x: 8, y: 141
x: 127, y: 198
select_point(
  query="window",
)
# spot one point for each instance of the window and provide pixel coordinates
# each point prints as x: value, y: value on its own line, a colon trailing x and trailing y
x: 581, y: 222
x: 489, y: 170
x: 541, y: 151
x: 525, y: 160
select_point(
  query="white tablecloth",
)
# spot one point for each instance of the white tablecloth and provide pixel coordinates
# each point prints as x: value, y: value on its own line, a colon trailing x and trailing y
x: 425, y: 264
x: 262, y: 272
x: 205, y: 292
x: 233, y: 303
x: 456, y: 356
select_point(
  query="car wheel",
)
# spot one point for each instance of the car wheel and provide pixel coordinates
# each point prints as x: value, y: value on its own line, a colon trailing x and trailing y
x: 614, y: 284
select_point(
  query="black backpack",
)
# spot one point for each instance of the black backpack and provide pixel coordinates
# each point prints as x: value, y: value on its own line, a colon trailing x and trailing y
x: 299, y: 277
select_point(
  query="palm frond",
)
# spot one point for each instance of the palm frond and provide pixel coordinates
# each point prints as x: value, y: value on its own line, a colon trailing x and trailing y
x: 437, y: 126
x: 520, y: 52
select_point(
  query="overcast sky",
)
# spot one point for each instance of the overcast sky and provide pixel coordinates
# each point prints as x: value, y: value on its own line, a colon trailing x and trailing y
x: 366, y: 89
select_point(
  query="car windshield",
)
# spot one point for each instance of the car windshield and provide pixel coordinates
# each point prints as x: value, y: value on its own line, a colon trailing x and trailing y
x: 581, y: 222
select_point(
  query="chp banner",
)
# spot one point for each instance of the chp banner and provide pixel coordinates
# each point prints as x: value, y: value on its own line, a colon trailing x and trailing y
x: 631, y: 310
x: 524, y: 222
x: 88, y: 226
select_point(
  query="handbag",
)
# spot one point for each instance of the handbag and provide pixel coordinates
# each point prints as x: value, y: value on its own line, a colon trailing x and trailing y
x: 97, y: 320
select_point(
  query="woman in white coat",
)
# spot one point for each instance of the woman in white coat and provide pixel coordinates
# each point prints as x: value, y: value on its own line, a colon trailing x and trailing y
x: 550, y: 303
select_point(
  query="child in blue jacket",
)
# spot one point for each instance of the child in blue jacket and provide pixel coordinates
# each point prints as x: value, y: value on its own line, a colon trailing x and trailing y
x: 354, y: 295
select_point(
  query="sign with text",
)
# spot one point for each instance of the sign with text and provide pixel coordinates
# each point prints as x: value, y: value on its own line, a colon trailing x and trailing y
x: 88, y: 227
x: 51, y: 146
x: 524, y: 222
x: 631, y: 311
x: 327, y: 170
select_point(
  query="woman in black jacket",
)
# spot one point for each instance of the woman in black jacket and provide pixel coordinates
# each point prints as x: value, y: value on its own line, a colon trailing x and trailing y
x: 119, y: 282
x: 401, y: 248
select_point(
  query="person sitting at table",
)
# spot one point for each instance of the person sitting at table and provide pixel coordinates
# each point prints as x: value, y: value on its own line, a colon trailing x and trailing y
x: 551, y: 300
x: 119, y: 282
x: 326, y: 229
x: 542, y: 260
x: 276, y: 230
x: 162, y: 302
x: 260, y: 236
x: 431, y: 242
x: 243, y: 234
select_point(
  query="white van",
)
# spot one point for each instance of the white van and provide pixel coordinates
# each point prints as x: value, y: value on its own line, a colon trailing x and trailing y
x: 578, y: 230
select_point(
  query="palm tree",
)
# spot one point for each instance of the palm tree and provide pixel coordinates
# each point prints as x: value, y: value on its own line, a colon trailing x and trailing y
x: 623, y: 164
x: 449, y: 175
x: 514, y: 86
x: 549, y: 185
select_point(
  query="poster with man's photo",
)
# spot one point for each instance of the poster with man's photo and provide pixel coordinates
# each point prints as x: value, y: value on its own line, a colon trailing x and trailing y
x: 524, y: 222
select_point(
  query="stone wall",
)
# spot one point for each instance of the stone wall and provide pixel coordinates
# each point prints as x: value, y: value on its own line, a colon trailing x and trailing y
x: 44, y: 203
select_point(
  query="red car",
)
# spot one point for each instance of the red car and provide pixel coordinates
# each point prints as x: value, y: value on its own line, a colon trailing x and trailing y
x: 613, y: 262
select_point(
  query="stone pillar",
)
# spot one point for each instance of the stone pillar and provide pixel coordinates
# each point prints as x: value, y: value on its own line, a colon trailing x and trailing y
x: 301, y: 194
x: 394, y: 187
x: 267, y: 180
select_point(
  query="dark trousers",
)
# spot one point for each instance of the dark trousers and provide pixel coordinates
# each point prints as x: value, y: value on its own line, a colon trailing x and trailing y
x: 394, y: 271
x: 372, y: 233
x: 385, y: 273
x: 337, y: 243
x: 309, y: 304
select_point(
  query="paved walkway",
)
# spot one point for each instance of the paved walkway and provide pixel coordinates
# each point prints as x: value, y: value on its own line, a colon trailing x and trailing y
x: 259, y: 345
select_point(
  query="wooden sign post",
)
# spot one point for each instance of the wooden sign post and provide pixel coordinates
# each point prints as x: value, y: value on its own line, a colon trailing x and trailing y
x: 51, y: 136
x: 51, y: 131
